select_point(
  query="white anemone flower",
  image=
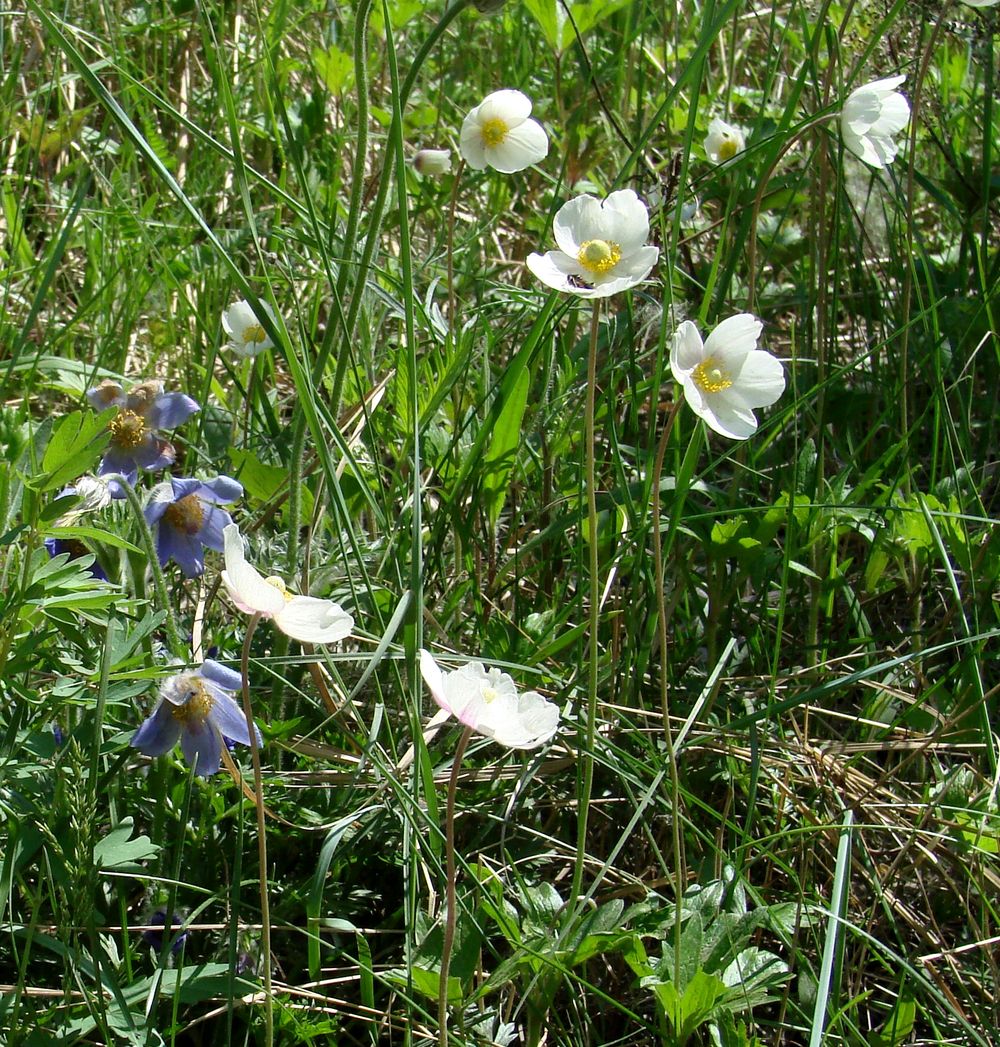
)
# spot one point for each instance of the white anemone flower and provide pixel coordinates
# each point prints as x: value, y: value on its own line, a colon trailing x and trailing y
x: 981, y: 3
x: 487, y: 701
x: 247, y: 336
x: 303, y: 618
x: 727, y: 376
x: 871, y: 116
x: 602, y: 246
x: 499, y: 134
x: 723, y: 141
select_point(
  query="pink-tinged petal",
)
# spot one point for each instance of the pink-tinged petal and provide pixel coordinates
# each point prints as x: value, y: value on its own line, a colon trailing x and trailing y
x: 732, y: 340
x: 434, y: 678
x: 246, y: 587
x: 310, y: 620
x: 687, y: 351
x: 525, y: 144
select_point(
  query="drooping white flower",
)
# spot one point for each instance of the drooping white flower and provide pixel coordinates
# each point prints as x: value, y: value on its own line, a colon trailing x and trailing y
x: 432, y: 163
x: 247, y: 336
x: 727, y: 376
x: 488, y: 702
x: 303, y: 618
x: 981, y: 3
x: 602, y: 246
x: 499, y: 134
x: 723, y: 141
x: 871, y: 116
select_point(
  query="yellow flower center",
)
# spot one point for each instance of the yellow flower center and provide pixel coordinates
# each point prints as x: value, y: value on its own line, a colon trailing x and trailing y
x: 197, y: 705
x: 488, y: 694
x: 599, y: 256
x: 279, y: 584
x: 494, y: 131
x: 711, y: 377
x: 728, y: 149
x: 253, y: 334
x: 187, y: 514
x: 127, y: 429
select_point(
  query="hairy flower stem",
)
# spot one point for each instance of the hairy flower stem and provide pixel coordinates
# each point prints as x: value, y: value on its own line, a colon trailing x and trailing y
x: 586, y: 762
x: 258, y: 792
x: 159, y: 582
x: 668, y: 733
x: 449, y: 887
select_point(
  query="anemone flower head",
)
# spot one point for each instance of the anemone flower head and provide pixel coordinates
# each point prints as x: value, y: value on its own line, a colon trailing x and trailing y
x: 871, y: 116
x: 727, y: 376
x: 602, y: 246
x: 487, y: 701
x: 724, y: 141
x: 135, y: 442
x: 187, y: 520
x: 154, y: 939
x: 75, y: 550
x: 303, y: 618
x: 499, y: 133
x: 247, y: 336
x: 196, y: 708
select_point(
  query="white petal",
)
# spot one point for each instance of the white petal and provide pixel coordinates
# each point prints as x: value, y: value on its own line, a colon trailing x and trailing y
x: 508, y: 105
x: 470, y: 143
x: 574, y: 221
x: 895, y: 115
x: 525, y: 144
x: 549, y: 268
x: 434, y: 678
x: 627, y: 220
x: 687, y: 351
x: 732, y: 339
x: 727, y: 420
x: 310, y: 620
x: 247, y: 587
x: 636, y: 266
x: 762, y: 380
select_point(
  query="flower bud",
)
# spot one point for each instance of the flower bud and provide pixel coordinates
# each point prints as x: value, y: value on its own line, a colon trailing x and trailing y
x: 432, y: 163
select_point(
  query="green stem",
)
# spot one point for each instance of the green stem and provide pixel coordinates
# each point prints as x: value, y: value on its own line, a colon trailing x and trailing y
x: 449, y: 887
x: 178, y: 648
x: 258, y: 791
x: 590, y: 731
x: 668, y: 732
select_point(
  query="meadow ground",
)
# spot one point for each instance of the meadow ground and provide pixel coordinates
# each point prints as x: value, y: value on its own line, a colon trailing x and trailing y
x: 663, y: 383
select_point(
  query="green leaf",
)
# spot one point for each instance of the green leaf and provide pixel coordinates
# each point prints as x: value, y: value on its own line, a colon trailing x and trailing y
x: 76, y: 443
x: 899, y: 1024
x: 498, y: 462
x: 265, y: 482
x: 94, y: 534
x: 118, y: 851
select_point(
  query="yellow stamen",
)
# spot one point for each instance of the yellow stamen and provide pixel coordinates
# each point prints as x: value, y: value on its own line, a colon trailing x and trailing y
x: 488, y: 694
x: 198, y: 704
x: 494, y: 131
x: 711, y: 377
x: 127, y: 429
x: 279, y: 584
x: 253, y: 334
x: 599, y: 256
x: 727, y: 150
x: 187, y: 514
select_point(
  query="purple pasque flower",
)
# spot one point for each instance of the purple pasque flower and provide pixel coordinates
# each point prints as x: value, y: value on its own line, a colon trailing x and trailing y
x: 154, y: 939
x: 196, y: 708
x: 186, y: 517
x: 74, y: 549
x: 135, y: 441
